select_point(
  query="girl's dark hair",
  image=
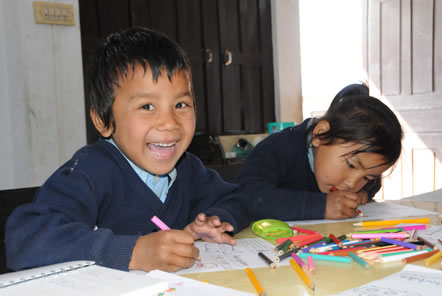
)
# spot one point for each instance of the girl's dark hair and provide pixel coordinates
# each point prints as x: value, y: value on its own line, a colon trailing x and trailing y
x: 354, y: 116
x: 137, y: 46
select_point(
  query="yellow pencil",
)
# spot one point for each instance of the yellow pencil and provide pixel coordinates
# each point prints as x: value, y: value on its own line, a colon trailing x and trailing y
x: 392, y: 222
x: 433, y: 258
x: 302, y: 274
x: 255, y: 282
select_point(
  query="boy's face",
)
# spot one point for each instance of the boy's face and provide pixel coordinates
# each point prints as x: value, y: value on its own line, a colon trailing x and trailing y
x: 154, y: 121
x: 334, y: 167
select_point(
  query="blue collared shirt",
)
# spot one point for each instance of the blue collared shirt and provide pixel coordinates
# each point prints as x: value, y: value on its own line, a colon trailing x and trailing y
x: 158, y: 184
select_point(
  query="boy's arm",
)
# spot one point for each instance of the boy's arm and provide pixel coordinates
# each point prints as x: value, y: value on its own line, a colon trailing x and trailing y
x: 215, y: 197
x: 269, y: 177
x: 59, y: 226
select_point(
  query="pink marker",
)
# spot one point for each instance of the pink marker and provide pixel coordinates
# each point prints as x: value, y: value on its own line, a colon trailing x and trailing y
x: 161, y: 225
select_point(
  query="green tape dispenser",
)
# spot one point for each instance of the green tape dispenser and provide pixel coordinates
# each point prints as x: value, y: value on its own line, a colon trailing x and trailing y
x: 271, y: 229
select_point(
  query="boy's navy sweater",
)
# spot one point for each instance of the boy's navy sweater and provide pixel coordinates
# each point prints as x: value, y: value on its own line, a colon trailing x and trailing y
x: 95, y: 207
x: 279, y: 182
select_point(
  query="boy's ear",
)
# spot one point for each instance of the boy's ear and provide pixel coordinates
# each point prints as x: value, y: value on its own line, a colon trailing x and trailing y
x: 104, y: 131
x: 321, y: 127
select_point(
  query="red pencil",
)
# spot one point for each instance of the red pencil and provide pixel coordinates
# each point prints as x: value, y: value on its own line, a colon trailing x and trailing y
x: 303, y: 230
x: 336, y: 240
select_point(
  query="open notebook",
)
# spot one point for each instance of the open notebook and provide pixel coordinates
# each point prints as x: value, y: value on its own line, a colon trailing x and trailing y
x: 79, y: 278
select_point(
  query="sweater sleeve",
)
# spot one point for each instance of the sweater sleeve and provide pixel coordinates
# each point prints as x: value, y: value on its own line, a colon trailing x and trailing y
x: 60, y: 225
x: 215, y: 197
x: 279, y: 183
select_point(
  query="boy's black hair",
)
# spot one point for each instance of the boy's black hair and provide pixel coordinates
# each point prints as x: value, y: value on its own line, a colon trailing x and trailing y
x: 354, y: 116
x: 137, y: 46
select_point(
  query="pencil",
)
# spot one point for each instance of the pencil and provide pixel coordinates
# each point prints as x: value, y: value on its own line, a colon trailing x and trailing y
x: 326, y: 257
x: 267, y: 259
x: 161, y: 225
x: 303, y: 230
x: 310, y: 264
x: 380, y: 235
x: 302, y: 274
x: 359, y: 212
x: 359, y: 260
x: 399, y: 257
x: 419, y: 257
x: 400, y: 243
x: 336, y: 240
x: 433, y: 258
x: 392, y: 222
x: 427, y: 243
x: 255, y: 282
x: 299, y: 261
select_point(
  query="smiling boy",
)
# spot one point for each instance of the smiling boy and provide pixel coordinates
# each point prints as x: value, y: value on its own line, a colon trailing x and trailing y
x: 98, y: 205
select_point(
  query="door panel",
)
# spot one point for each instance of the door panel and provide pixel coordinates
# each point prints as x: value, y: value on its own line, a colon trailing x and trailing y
x: 404, y: 66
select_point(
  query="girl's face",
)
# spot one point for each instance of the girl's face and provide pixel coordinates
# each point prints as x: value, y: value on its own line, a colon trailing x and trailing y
x: 154, y: 120
x: 336, y: 167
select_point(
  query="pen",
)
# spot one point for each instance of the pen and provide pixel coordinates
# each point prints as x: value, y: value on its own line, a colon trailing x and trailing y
x: 302, y: 274
x: 161, y: 225
x: 255, y: 282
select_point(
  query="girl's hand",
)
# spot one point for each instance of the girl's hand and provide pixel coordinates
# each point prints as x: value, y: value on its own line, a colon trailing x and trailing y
x: 210, y: 229
x: 343, y: 204
x: 168, y: 250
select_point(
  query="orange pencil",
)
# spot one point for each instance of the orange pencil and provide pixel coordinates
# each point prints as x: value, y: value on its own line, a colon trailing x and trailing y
x: 419, y: 257
x: 255, y: 282
x: 302, y: 274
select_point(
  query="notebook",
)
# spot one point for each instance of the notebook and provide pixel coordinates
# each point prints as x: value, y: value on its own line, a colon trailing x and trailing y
x: 79, y: 278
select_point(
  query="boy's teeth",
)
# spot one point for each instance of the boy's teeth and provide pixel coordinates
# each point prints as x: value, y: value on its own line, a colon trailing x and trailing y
x: 163, y: 145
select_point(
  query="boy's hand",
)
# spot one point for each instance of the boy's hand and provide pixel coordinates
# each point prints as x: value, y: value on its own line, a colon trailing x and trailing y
x: 210, y: 229
x: 343, y: 204
x: 168, y: 250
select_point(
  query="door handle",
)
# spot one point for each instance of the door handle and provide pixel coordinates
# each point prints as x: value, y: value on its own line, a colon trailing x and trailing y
x: 227, y: 57
x: 209, y: 56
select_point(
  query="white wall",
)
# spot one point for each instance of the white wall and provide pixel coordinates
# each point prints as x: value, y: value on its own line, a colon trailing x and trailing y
x: 287, y: 60
x: 42, y: 118
x: 331, y: 50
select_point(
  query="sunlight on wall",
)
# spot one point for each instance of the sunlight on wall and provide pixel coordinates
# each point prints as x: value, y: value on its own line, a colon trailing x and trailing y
x: 331, y: 45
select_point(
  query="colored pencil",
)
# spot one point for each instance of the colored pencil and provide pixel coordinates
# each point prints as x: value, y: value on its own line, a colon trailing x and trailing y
x: 400, y: 243
x: 419, y: 257
x: 310, y: 264
x: 392, y: 222
x: 286, y: 254
x: 308, y: 241
x: 267, y: 260
x: 336, y: 240
x: 433, y: 258
x: 326, y: 257
x: 359, y: 260
x: 302, y: 274
x: 379, y: 235
x: 303, y: 230
x: 410, y: 227
x: 427, y: 243
x: 161, y: 225
x: 255, y: 282
x: 402, y: 256
x: 281, y: 245
x: 359, y: 212
x: 299, y: 261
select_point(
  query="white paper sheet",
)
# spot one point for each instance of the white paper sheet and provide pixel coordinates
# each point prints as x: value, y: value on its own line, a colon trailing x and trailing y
x: 413, y: 280
x: 188, y: 287
x: 218, y: 257
x: 375, y: 211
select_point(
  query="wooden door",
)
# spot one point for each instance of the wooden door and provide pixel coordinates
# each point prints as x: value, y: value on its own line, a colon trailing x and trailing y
x: 403, y: 61
x: 246, y: 71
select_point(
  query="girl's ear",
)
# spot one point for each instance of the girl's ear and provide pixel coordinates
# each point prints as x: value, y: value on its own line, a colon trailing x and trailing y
x: 104, y: 131
x: 321, y: 127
